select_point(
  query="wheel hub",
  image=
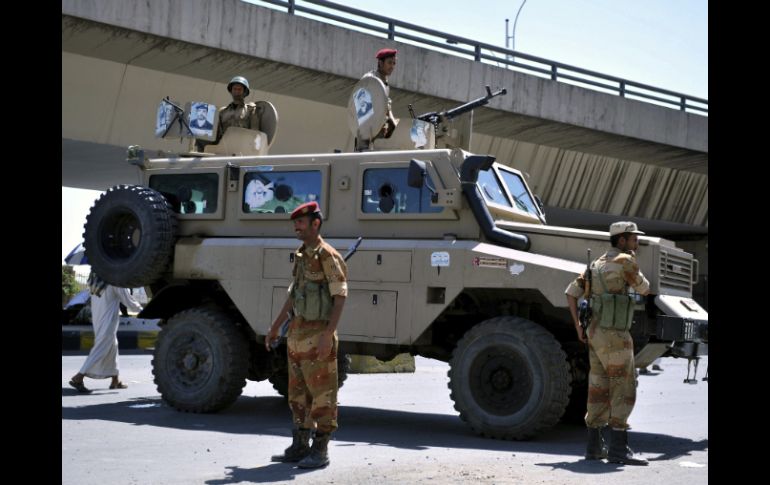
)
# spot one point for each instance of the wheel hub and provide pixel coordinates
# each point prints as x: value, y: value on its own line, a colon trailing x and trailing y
x: 190, y: 361
x: 501, y: 379
x: 122, y: 234
x: 501, y: 382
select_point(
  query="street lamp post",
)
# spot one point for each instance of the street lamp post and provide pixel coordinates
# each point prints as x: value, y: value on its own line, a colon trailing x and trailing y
x: 512, y: 37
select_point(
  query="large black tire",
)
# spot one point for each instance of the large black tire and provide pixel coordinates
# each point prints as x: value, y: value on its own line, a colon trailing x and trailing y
x: 280, y: 378
x: 200, y: 361
x: 129, y: 236
x: 509, y: 378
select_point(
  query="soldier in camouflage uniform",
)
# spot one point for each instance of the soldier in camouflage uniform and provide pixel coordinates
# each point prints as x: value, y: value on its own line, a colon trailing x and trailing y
x: 317, y: 295
x: 611, y: 380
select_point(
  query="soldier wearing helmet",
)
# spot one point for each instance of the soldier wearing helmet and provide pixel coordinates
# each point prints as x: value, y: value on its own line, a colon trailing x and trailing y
x: 238, y: 112
x: 611, y: 379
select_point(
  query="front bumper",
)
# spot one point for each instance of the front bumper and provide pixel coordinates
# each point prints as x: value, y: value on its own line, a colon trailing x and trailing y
x: 681, y: 329
x: 689, y: 336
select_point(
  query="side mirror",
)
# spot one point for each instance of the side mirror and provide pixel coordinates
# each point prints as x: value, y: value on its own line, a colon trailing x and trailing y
x: 416, y: 175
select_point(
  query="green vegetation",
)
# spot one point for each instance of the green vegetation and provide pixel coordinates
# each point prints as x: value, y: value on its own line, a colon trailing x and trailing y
x: 69, y: 286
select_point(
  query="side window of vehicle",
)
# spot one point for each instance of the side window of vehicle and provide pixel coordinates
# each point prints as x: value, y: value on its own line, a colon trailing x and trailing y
x: 386, y: 191
x: 189, y: 193
x: 279, y: 192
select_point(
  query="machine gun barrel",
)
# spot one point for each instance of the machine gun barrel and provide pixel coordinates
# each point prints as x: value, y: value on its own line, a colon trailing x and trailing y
x: 434, y: 117
x: 471, y: 105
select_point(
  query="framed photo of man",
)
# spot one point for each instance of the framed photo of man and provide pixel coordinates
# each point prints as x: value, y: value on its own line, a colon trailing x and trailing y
x: 167, y: 123
x: 202, y: 118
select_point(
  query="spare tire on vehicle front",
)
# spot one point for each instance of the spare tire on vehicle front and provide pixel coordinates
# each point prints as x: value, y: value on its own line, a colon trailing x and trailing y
x: 130, y: 235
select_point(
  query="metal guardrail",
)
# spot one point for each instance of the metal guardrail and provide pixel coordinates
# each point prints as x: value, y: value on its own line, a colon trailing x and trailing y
x: 556, y: 71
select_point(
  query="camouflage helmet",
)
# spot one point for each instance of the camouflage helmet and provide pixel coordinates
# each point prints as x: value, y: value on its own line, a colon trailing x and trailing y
x: 240, y: 80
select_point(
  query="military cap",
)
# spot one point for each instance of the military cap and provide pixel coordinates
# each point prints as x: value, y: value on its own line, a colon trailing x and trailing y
x: 624, y: 226
x: 305, y: 209
x: 385, y: 53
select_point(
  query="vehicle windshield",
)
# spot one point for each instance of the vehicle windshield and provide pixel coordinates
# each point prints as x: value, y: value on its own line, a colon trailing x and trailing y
x: 507, y: 189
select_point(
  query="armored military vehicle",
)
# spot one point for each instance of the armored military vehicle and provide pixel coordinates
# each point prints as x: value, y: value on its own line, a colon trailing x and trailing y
x: 457, y: 264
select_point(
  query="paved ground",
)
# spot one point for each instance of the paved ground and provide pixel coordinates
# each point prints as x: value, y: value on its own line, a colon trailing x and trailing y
x: 395, y: 428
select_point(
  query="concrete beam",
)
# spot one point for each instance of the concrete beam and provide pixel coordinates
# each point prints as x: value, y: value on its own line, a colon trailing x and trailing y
x: 286, y: 54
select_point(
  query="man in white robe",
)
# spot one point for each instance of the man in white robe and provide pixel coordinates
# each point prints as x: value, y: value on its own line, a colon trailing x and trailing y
x: 102, y: 361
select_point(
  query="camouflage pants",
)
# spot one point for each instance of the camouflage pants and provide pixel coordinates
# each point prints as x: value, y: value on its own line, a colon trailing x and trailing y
x: 611, y: 380
x: 312, y: 381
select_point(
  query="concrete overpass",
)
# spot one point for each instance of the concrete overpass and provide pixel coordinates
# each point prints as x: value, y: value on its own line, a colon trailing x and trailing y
x: 591, y: 156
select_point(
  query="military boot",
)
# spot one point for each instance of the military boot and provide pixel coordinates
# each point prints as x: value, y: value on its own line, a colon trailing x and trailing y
x: 318, y: 456
x: 299, y: 449
x: 619, y: 450
x: 596, y: 448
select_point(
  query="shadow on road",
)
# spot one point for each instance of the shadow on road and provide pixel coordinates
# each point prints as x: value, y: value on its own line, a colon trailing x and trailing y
x: 275, y: 472
x: 269, y: 415
x: 667, y: 447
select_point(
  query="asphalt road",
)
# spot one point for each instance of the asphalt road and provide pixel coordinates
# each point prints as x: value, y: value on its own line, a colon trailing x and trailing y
x: 394, y: 428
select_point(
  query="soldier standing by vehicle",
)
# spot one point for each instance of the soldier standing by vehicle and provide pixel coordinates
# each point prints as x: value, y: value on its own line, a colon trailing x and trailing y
x: 386, y: 64
x: 611, y: 380
x: 317, y: 295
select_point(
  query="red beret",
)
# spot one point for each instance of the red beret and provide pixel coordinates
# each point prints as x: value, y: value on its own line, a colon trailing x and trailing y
x: 305, y: 209
x: 383, y: 53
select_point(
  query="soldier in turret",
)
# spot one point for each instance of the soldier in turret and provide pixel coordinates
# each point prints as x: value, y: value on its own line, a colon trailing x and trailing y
x: 238, y: 112
x: 386, y: 64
